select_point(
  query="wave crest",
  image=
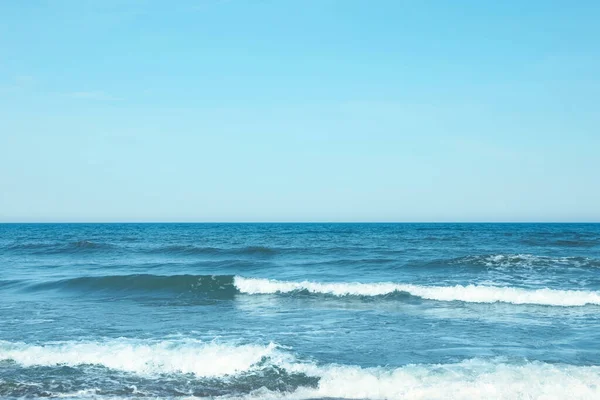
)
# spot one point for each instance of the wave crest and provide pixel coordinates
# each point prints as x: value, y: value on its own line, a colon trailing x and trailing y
x: 191, y: 359
x: 45, y: 248
x: 469, y: 293
x: 144, y: 357
x: 471, y: 379
x: 221, y: 285
x: 227, y: 286
x: 524, y: 261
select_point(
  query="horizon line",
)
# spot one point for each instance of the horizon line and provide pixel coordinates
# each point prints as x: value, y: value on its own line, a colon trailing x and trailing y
x: 294, y: 222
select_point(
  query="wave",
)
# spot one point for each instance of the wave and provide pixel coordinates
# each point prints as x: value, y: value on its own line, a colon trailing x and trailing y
x: 77, y: 247
x: 227, y: 364
x: 586, y: 243
x: 524, y: 261
x: 10, y: 283
x: 228, y: 286
x: 470, y: 379
x: 218, y: 285
x: 144, y: 357
x: 189, y: 250
x: 83, y: 246
x: 469, y: 293
x: 352, y: 261
x: 29, y: 246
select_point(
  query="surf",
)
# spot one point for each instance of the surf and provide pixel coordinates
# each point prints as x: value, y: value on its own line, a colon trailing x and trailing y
x: 468, y: 293
x: 275, y: 366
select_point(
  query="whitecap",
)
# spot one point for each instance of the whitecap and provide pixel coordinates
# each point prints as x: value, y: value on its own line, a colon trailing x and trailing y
x: 468, y: 293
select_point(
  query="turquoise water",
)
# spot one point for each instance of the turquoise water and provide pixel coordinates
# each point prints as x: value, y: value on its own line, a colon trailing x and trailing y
x: 300, y: 311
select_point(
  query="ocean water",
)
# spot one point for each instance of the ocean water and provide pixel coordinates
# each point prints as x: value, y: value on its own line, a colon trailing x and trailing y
x: 300, y: 311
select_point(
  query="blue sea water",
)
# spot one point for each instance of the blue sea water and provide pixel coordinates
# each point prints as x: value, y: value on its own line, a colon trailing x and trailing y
x: 300, y: 311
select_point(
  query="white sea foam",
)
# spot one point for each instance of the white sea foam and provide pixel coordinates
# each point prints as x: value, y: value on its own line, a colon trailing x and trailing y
x: 471, y: 379
x: 469, y: 293
x: 144, y: 357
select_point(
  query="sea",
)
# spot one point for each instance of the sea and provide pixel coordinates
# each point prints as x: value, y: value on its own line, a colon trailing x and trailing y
x: 300, y: 311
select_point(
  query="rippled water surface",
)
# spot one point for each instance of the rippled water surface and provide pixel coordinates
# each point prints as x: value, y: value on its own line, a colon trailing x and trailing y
x: 300, y: 311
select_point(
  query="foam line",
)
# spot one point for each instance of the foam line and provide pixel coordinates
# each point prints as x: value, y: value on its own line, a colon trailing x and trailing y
x: 470, y: 379
x: 469, y: 293
x: 143, y: 357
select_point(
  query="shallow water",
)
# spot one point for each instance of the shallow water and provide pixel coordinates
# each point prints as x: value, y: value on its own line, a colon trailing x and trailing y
x: 365, y: 311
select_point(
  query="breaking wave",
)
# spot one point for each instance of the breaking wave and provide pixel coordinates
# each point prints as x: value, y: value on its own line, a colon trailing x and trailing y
x: 278, y: 373
x: 469, y: 293
x: 228, y: 286
x: 144, y: 357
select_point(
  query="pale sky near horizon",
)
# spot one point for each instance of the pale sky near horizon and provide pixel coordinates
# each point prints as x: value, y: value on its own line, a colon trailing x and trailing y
x: 299, y: 110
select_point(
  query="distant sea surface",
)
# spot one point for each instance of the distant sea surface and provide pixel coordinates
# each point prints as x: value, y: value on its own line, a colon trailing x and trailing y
x: 300, y: 311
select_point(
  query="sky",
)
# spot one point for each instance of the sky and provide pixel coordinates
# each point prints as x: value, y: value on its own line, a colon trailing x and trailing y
x: 299, y: 110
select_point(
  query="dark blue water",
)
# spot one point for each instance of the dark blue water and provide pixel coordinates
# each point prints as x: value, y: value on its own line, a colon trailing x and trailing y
x: 361, y: 311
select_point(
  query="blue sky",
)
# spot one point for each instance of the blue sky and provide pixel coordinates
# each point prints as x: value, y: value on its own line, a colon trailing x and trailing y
x: 299, y: 110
